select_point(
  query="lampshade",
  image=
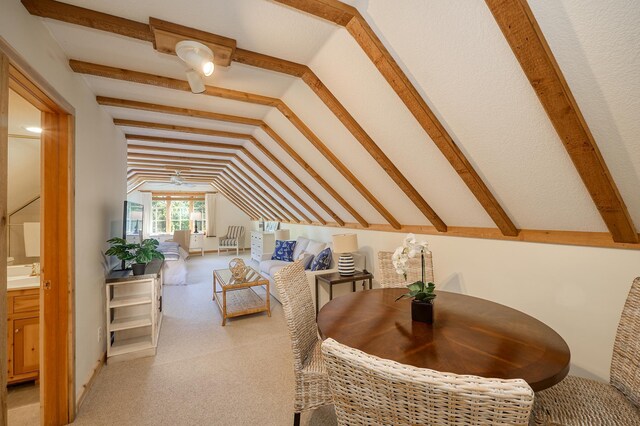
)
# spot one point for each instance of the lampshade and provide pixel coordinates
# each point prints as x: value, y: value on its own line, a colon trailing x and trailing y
x: 345, y: 243
x: 136, y: 215
x: 282, y: 235
x: 196, y: 55
x: 196, y: 215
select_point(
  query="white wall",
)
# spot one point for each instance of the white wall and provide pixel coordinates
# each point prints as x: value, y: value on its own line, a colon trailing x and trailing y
x: 100, y: 176
x: 227, y: 214
x: 577, y: 291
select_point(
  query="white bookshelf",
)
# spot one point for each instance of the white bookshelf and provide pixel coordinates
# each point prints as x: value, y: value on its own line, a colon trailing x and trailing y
x: 134, y: 313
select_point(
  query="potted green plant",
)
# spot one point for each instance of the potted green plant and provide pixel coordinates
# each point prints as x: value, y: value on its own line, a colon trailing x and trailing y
x: 422, y: 293
x: 139, y: 254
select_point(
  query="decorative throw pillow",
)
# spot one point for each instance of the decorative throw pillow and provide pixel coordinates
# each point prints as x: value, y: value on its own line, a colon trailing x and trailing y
x: 322, y: 261
x: 284, y: 251
x: 301, y: 245
x: 306, y: 259
x: 315, y: 247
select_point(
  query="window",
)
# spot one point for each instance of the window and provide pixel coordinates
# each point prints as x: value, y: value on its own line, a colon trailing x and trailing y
x: 180, y: 215
x: 174, y: 212
x: 159, y: 217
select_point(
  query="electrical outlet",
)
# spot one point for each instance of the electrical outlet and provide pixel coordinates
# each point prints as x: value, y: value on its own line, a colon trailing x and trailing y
x: 99, y: 334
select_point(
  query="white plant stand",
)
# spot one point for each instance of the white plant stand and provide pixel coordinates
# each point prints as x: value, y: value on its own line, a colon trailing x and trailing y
x: 134, y: 313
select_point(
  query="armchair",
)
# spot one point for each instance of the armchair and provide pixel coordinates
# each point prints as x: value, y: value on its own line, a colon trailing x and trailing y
x: 233, y: 238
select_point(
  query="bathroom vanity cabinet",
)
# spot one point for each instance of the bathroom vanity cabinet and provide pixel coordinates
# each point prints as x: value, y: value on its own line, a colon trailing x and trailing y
x: 23, y: 343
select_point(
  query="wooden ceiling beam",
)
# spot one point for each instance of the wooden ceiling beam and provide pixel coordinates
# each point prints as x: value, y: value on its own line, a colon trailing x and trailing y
x: 255, y: 198
x: 330, y: 10
x: 131, y: 147
x: 172, y: 160
x: 166, y: 31
x: 184, y: 160
x: 177, y: 165
x: 89, y: 18
x: 170, y: 83
x: 172, y: 169
x: 349, y: 17
x: 281, y: 142
x: 249, y: 199
x: 187, y: 151
x: 256, y: 193
x: 170, y: 173
x: 520, y: 28
x: 166, y: 165
x: 158, y: 139
x: 233, y: 199
x: 185, y: 112
x: 323, y: 183
x: 272, y: 196
x: 167, y: 177
x: 177, y: 141
x: 351, y: 178
x: 180, y: 129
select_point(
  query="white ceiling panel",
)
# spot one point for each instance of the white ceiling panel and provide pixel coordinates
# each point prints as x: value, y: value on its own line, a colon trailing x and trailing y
x: 461, y: 62
x: 257, y: 25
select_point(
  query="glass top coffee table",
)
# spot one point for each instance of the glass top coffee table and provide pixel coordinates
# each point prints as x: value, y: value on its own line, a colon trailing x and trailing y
x: 236, y: 298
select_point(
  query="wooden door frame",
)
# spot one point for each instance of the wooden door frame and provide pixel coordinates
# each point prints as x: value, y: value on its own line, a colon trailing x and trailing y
x: 57, y: 295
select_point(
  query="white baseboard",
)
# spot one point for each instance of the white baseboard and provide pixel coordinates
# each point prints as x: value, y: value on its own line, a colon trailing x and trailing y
x: 87, y: 385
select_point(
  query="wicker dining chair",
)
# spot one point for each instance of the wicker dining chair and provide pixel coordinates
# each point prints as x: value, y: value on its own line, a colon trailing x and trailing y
x: 368, y: 390
x: 390, y: 278
x: 580, y: 401
x: 312, y: 385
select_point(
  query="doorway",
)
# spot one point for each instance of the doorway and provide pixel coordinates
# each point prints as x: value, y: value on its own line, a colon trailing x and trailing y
x: 40, y: 344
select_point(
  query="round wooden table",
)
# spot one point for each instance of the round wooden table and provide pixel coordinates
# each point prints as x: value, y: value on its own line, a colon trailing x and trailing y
x: 468, y: 336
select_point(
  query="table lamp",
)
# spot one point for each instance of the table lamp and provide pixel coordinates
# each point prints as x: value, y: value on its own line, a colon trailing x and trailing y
x: 195, y: 217
x: 344, y: 245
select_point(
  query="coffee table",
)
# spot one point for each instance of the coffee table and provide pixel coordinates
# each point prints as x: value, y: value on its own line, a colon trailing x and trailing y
x: 236, y: 298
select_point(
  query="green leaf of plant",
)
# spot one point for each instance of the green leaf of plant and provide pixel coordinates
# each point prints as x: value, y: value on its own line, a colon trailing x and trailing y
x: 421, y: 296
x: 415, y: 286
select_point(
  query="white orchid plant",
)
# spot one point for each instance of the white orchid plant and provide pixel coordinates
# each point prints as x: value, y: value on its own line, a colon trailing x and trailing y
x: 410, y: 248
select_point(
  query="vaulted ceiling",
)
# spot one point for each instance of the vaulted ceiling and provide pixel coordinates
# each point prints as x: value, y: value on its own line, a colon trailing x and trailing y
x: 472, y: 118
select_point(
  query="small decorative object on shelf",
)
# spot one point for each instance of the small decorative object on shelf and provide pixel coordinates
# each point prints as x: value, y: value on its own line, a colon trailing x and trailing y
x: 423, y: 294
x: 344, y: 245
x: 138, y: 254
x: 238, y: 269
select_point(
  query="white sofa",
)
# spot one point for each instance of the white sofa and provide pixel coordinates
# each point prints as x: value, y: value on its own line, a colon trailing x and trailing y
x: 268, y: 267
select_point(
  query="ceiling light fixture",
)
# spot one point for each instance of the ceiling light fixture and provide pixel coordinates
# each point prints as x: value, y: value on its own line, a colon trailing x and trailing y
x: 196, y: 55
x: 33, y: 129
x: 195, y: 82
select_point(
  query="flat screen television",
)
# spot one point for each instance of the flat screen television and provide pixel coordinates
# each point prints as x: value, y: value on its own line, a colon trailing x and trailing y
x: 133, y: 221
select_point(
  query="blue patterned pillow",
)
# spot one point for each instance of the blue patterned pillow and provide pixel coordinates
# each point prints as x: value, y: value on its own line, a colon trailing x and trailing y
x: 322, y: 261
x: 284, y: 251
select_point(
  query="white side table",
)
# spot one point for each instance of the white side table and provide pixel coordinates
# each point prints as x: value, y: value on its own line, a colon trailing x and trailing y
x: 197, y: 243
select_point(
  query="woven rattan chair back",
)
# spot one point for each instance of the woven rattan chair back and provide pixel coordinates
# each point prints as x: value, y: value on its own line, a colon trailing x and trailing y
x: 297, y: 304
x: 625, y: 362
x: 390, y: 278
x: 368, y: 390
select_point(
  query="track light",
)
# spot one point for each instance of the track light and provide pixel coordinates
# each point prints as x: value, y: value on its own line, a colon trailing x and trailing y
x: 195, y: 82
x: 196, y: 55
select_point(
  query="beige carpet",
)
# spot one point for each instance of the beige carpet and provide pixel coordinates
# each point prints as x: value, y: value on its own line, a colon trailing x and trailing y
x: 203, y: 373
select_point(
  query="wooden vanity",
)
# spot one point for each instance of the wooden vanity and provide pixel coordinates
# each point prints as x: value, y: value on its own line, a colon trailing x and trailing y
x: 23, y: 343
